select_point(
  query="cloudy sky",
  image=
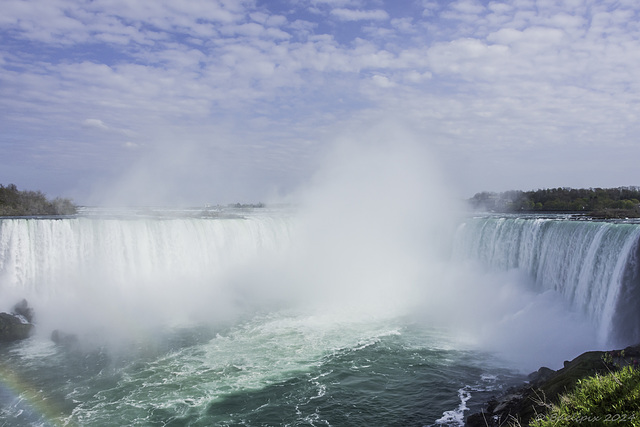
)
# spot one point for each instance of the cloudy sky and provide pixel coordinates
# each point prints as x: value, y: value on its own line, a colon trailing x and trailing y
x: 198, y: 101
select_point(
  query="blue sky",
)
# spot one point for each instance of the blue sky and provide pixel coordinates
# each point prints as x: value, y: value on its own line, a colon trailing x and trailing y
x: 148, y: 102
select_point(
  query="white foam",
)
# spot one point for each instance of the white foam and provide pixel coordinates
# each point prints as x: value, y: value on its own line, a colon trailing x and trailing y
x: 456, y: 417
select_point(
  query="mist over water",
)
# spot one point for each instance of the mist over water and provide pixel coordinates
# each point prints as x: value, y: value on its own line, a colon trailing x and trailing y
x: 502, y: 313
x: 370, y: 236
x: 377, y: 228
x: 371, y: 226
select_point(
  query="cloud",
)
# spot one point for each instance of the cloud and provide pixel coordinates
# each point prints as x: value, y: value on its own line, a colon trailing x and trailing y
x: 102, y: 126
x: 429, y: 7
x: 382, y: 81
x: 494, y: 79
x: 414, y: 76
x: 469, y: 58
x: 360, y: 15
x: 468, y: 7
x: 95, y: 123
x: 337, y: 3
x: 115, y: 21
x: 464, y: 10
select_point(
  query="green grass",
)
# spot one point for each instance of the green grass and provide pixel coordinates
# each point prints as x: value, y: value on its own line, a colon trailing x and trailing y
x: 601, y: 400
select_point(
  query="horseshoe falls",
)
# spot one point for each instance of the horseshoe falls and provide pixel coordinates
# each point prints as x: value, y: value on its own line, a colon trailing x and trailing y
x: 278, y: 317
x: 593, y: 265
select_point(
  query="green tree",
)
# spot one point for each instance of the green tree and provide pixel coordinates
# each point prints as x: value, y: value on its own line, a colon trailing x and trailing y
x: 14, y: 202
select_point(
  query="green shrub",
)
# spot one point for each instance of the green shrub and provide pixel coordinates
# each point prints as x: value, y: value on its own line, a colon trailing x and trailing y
x: 601, y: 400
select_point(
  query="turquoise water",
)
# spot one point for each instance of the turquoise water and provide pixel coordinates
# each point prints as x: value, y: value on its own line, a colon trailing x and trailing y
x: 270, y: 370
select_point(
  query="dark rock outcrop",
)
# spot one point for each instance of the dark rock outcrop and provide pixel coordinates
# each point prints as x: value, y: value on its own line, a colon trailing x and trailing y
x: 522, y: 404
x: 14, y: 327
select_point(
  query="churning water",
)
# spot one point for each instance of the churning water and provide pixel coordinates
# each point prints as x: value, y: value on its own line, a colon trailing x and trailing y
x: 275, y: 369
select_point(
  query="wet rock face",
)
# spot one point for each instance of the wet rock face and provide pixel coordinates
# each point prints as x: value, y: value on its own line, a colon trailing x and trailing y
x: 17, y: 324
x: 13, y: 327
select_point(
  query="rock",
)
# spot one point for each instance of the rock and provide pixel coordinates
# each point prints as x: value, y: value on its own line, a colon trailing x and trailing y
x: 540, y: 376
x: 479, y: 419
x: 14, y: 327
x: 22, y: 309
x: 63, y: 338
x: 507, y: 401
x: 632, y: 351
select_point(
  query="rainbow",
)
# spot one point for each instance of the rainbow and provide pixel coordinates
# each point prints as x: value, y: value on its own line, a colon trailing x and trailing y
x: 28, y: 401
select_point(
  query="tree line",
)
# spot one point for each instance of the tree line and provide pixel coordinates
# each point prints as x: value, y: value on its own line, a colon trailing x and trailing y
x: 14, y: 202
x: 561, y: 199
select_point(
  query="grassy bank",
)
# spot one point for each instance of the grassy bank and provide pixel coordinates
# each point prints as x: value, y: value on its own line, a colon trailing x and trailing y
x: 597, y: 388
x: 612, y: 398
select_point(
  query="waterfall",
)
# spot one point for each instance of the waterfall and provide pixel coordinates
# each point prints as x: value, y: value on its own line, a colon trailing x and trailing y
x: 92, y: 269
x: 594, y: 265
x: 40, y: 254
x: 84, y: 269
